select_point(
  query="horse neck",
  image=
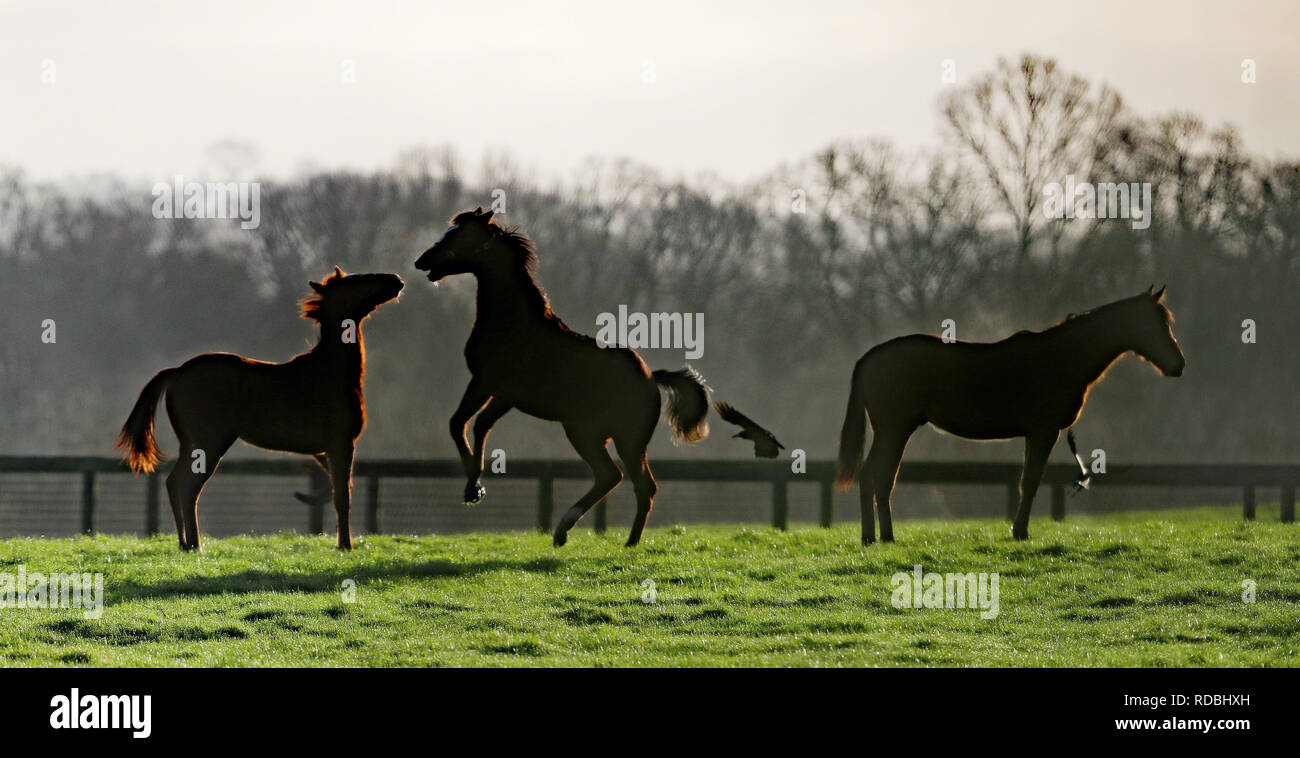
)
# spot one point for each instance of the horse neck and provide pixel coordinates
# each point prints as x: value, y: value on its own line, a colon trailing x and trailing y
x: 345, y: 358
x: 508, y: 298
x: 1092, y: 342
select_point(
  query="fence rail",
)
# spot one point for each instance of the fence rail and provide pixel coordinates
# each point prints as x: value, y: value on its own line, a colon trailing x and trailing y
x: 367, y: 475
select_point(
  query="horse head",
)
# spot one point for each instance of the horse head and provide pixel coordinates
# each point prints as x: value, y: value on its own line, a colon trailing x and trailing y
x: 1153, y: 333
x: 462, y: 248
x: 342, y: 296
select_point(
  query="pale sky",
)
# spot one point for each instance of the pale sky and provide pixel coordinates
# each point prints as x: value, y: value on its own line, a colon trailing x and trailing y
x: 142, y: 89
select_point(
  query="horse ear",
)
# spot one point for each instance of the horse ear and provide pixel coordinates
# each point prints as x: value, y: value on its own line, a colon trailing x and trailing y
x: 1161, y: 294
x: 1151, y: 288
x: 318, y: 287
x: 339, y: 272
x: 478, y: 211
x: 487, y: 216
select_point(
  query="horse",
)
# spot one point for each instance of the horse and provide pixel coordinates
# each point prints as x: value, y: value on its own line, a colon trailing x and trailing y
x: 521, y: 355
x: 312, y: 405
x: 1031, y: 385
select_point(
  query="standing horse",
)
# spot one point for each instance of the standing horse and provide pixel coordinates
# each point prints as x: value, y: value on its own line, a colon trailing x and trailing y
x: 312, y: 405
x: 1031, y: 385
x: 521, y: 355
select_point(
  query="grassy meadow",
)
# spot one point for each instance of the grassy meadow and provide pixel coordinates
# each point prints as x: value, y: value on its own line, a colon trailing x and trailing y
x: 1139, y: 589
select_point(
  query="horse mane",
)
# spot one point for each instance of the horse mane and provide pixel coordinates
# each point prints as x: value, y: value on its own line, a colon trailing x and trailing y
x: 525, y: 256
x: 1106, y: 309
x: 1165, y: 313
x: 310, y: 307
x: 521, y: 243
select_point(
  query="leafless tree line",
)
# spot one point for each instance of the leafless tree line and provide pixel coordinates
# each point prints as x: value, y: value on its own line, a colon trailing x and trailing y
x: 797, y: 274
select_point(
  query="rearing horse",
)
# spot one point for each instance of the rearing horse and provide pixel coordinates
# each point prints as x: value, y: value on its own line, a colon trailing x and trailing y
x: 521, y: 355
x: 1031, y: 385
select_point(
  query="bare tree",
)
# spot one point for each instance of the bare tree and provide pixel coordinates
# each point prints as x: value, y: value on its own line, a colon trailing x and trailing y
x: 892, y: 237
x: 1025, y: 125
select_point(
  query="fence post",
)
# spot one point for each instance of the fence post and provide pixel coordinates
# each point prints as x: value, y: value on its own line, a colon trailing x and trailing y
x: 545, y: 501
x: 1248, y: 502
x: 1058, y: 502
x: 827, y: 504
x: 88, y: 502
x: 1288, y: 503
x: 372, y: 504
x: 600, y: 518
x: 780, y: 504
x: 151, y: 504
x: 1013, y: 500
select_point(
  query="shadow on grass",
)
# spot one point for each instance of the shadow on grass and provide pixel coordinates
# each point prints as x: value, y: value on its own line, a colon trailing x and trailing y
x: 318, y: 581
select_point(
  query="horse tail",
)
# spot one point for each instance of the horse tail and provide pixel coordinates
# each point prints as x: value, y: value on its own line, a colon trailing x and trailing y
x: 136, y: 439
x: 853, y: 435
x: 688, y: 403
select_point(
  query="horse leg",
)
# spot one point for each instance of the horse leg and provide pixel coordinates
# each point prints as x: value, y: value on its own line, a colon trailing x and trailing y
x: 340, y: 468
x: 174, y: 495
x: 1038, y: 446
x: 867, y: 498
x: 643, y: 481
x: 190, y: 483
x: 176, y: 475
x: 495, y: 409
x: 605, y: 477
x: 883, y: 461
x: 470, y: 403
x: 323, y: 461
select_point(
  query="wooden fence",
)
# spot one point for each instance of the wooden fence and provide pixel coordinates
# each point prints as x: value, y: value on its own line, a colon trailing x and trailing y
x: 367, y: 474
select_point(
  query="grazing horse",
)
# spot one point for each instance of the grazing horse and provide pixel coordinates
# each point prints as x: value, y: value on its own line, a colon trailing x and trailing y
x: 312, y: 404
x: 521, y: 355
x: 1031, y: 385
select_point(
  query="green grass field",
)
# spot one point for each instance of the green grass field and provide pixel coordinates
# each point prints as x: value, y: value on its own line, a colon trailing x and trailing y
x: 1133, y: 590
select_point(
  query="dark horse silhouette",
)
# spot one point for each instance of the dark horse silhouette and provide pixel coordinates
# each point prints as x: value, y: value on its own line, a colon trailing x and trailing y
x: 1031, y: 385
x: 312, y: 405
x: 521, y: 355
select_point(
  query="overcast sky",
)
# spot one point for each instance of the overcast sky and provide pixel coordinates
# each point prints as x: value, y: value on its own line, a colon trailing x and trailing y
x: 143, y: 89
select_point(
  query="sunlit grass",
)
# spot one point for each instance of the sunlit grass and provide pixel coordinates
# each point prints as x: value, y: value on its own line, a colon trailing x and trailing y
x: 1133, y: 590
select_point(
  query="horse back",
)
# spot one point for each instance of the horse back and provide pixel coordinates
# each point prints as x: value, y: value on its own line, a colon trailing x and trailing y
x: 978, y: 390
x: 552, y: 372
x: 291, y: 406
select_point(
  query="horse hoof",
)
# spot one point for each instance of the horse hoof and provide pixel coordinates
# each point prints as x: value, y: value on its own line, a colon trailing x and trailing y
x: 1019, y: 535
x: 559, y: 538
x: 474, y: 494
x: 631, y: 542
